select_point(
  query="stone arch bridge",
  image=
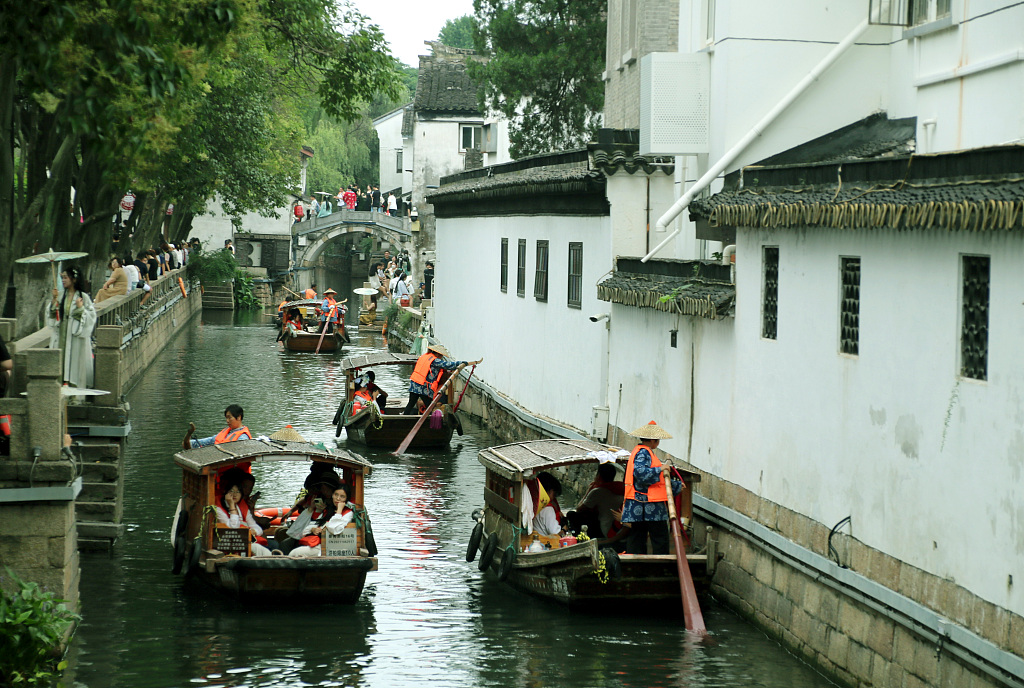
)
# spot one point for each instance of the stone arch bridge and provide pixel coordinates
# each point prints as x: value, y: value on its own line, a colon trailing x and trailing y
x: 313, y: 235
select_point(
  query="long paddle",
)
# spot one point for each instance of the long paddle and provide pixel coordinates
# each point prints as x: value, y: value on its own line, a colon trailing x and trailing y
x: 464, y: 388
x: 691, y: 608
x: 330, y: 314
x: 419, y: 423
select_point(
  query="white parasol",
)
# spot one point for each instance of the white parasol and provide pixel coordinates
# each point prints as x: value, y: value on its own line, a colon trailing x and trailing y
x: 365, y: 291
x: 52, y: 257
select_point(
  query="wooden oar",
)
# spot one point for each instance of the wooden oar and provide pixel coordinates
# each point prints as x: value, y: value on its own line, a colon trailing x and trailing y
x: 464, y: 388
x: 691, y: 608
x: 419, y: 423
x: 327, y: 322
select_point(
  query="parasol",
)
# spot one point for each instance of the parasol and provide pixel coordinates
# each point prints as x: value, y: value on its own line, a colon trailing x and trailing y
x: 69, y: 391
x: 365, y: 291
x: 52, y: 257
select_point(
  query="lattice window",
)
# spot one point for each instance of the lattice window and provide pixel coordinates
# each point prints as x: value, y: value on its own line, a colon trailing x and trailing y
x: 974, y: 326
x: 770, y: 293
x: 504, y: 265
x: 575, y: 274
x: 907, y: 12
x: 521, y: 269
x: 540, y: 277
x: 849, y: 306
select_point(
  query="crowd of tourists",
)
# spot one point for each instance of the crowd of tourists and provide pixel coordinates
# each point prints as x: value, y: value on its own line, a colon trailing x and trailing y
x: 351, y: 197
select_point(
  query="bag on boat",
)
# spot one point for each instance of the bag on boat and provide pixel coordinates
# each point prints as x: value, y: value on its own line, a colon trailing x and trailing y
x: 299, y: 525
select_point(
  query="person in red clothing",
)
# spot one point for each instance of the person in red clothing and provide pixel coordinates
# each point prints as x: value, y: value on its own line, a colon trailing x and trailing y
x: 349, y: 198
x: 298, y: 211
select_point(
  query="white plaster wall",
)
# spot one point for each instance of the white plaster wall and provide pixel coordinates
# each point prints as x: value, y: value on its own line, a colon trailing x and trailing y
x: 436, y: 144
x: 928, y: 464
x: 546, y: 356
x: 215, y: 226
x: 389, y: 134
x: 629, y: 201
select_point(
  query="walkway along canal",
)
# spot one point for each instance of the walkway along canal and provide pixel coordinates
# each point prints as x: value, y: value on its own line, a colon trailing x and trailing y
x: 426, y: 616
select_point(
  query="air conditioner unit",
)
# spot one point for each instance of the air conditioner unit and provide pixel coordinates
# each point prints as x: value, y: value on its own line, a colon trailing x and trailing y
x: 490, y: 139
x: 674, y: 104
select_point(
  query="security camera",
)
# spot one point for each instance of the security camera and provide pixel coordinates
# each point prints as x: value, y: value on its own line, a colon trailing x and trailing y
x: 598, y: 317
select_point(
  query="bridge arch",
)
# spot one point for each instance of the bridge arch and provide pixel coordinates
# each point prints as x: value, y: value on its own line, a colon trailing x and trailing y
x: 323, y: 230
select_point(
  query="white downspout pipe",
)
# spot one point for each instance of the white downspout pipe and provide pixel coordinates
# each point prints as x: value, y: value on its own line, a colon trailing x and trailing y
x: 681, y: 204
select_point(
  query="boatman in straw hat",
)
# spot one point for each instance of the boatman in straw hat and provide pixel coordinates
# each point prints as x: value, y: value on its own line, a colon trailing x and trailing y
x: 645, y: 508
x: 426, y: 377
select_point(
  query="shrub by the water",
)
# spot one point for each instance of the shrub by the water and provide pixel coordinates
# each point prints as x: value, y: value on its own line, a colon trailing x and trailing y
x: 32, y: 627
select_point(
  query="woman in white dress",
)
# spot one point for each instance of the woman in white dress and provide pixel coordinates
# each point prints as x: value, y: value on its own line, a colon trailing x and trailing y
x: 71, y: 318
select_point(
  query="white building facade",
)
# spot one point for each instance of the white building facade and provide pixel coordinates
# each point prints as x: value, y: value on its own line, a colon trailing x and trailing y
x: 848, y: 388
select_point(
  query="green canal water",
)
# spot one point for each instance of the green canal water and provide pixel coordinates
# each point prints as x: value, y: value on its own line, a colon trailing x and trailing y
x: 426, y: 617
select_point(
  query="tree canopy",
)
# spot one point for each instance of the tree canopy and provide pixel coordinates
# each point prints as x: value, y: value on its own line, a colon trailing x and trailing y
x: 177, y: 100
x: 543, y: 69
x: 459, y: 32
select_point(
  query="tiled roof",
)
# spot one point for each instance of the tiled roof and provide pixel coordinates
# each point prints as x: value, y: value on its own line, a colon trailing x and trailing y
x: 687, y: 287
x: 443, y: 85
x: 981, y: 189
x: 407, y: 118
x: 619, y: 150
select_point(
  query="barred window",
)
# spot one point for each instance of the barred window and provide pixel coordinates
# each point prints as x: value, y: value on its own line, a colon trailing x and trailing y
x: 770, y: 293
x: 849, y: 306
x: 540, y: 279
x: 504, y: 265
x: 521, y: 269
x: 974, y: 325
x: 575, y: 274
x: 398, y: 162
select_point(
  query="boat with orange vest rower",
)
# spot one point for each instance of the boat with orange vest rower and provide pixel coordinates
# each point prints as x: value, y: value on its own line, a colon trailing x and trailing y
x: 384, y: 425
x: 223, y: 557
x: 573, y: 570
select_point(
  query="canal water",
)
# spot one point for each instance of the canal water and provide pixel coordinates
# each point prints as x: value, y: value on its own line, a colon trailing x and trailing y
x: 426, y: 617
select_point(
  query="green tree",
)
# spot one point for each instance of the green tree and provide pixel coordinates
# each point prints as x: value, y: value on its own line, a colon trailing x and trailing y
x: 543, y: 71
x: 459, y: 33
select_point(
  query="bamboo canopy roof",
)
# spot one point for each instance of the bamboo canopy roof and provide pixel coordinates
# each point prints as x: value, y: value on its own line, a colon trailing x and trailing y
x: 258, y: 451
x: 377, y: 358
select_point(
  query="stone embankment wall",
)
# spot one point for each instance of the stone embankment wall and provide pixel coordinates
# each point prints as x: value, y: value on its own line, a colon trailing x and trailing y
x: 53, y: 503
x: 859, y: 615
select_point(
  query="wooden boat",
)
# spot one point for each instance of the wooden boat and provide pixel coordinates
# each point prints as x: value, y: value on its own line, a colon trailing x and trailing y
x: 587, y: 573
x: 387, y: 427
x: 220, y: 556
x: 308, y: 341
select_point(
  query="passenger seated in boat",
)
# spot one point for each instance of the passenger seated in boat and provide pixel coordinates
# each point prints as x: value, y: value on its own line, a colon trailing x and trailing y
x: 363, y: 397
x: 320, y: 514
x: 379, y: 395
x: 339, y: 515
x: 234, y: 432
x: 548, y: 520
x: 233, y: 512
x: 595, y: 510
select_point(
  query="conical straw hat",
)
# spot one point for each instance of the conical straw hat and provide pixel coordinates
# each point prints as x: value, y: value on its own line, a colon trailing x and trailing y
x: 651, y: 431
x: 439, y: 348
x: 287, y: 434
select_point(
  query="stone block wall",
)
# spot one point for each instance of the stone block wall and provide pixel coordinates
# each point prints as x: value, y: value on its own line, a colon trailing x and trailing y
x: 38, y: 541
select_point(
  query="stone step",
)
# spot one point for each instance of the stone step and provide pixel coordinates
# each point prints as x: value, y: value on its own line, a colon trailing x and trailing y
x: 91, y: 452
x: 94, y: 544
x: 100, y: 472
x: 98, y: 492
x: 98, y: 530
x: 102, y: 512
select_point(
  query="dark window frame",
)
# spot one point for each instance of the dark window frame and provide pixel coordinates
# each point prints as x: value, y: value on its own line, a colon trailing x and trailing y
x: 521, y: 269
x: 975, y: 309
x: 398, y: 161
x: 575, y: 270
x: 770, y: 292
x: 849, y: 305
x: 540, y: 273
x: 504, y: 265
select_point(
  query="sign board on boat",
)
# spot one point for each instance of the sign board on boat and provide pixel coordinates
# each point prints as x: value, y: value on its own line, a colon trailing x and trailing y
x: 232, y: 540
x: 343, y: 544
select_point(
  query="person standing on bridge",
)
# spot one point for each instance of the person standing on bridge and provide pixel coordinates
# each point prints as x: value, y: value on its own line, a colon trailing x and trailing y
x: 298, y: 211
x: 375, y: 199
x: 349, y: 198
x: 234, y: 432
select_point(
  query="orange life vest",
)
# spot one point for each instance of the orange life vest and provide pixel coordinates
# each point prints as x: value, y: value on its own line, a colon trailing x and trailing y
x: 422, y: 369
x: 229, y: 435
x: 361, y: 399
x: 656, y: 492
x: 5, y: 426
x: 280, y: 309
x: 310, y: 293
x: 332, y: 309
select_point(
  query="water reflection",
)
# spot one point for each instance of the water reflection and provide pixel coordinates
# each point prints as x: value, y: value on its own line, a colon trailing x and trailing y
x: 427, y: 616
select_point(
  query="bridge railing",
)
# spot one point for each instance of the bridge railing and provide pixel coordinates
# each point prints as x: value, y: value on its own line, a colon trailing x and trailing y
x: 393, y: 222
